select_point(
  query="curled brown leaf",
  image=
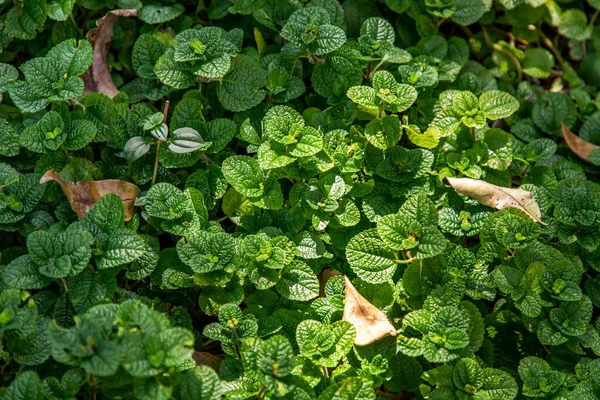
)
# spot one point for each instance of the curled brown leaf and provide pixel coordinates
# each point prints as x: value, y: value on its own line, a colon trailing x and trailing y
x: 370, y: 322
x: 580, y: 147
x: 82, y: 195
x: 498, y: 197
x: 97, y: 78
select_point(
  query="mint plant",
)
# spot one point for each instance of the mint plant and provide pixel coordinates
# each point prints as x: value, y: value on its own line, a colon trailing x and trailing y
x: 320, y: 199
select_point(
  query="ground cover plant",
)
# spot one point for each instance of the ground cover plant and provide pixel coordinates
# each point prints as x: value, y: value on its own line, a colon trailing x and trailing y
x: 299, y: 199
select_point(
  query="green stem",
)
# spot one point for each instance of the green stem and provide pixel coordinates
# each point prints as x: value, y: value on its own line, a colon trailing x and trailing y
x: 500, y: 49
x: 551, y: 47
x: 375, y: 69
x: 165, y: 115
x: 591, y: 24
x: 381, y: 111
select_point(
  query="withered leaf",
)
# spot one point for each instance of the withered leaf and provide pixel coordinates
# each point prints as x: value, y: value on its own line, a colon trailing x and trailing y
x: 82, y: 195
x: 208, y: 359
x: 370, y: 322
x: 577, y: 145
x: 324, y: 276
x: 97, y: 78
x: 498, y: 197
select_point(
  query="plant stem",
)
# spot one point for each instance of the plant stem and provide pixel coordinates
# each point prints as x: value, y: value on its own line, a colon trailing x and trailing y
x: 551, y: 47
x: 500, y: 49
x: 155, y: 164
x: 591, y: 24
x: 381, y: 111
x: 92, y: 388
x: 165, y: 114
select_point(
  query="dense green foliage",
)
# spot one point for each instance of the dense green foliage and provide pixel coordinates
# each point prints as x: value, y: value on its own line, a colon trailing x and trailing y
x: 300, y: 136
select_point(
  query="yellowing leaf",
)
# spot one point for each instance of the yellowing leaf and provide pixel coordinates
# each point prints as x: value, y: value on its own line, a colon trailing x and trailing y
x: 498, y: 197
x: 428, y: 139
x: 577, y: 145
x: 370, y: 322
x: 82, y: 195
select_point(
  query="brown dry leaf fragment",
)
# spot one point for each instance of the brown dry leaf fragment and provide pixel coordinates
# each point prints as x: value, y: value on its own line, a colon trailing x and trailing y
x: 370, y: 322
x: 498, y: 197
x: 210, y: 360
x: 577, y: 145
x: 324, y: 276
x: 82, y: 195
x: 97, y: 78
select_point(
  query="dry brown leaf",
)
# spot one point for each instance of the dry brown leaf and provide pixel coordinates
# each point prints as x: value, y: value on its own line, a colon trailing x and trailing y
x: 577, y: 145
x: 370, y: 322
x: 498, y: 197
x: 97, y: 78
x: 324, y: 276
x: 84, y: 194
x: 210, y: 360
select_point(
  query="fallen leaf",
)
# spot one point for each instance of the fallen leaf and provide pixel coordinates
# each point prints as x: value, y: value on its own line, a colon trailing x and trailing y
x: 82, y: 195
x: 210, y: 360
x: 577, y: 145
x: 324, y: 276
x: 97, y: 78
x: 370, y: 322
x: 498, y: 197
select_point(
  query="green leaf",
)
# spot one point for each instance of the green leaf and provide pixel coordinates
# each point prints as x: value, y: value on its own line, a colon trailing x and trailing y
x: 26, y: 386
x: 245, y: 175
x: 165, y: 201
x: 8, y: 75
x: 121, y: 246
x: 352, y: 388
x: 22, y: 273
x: 107, y: 213
x: 311, y: 28
x: 201, y: 383
x: 369, y: 258
x: 384, y: 133
x: 574, y: 25
x: 74, y: 57
x: 539, y: 380
x: 206, y: 251
x: 170, y: 72
x: 79, y: 133
x: 497, y: 104
x: 158, y: 14
x: 241, y: 88
x: 537, y: 62
x: 469, y: 11
x: 298, y: 282
x: 25, y: 19
x: 59, y: 10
